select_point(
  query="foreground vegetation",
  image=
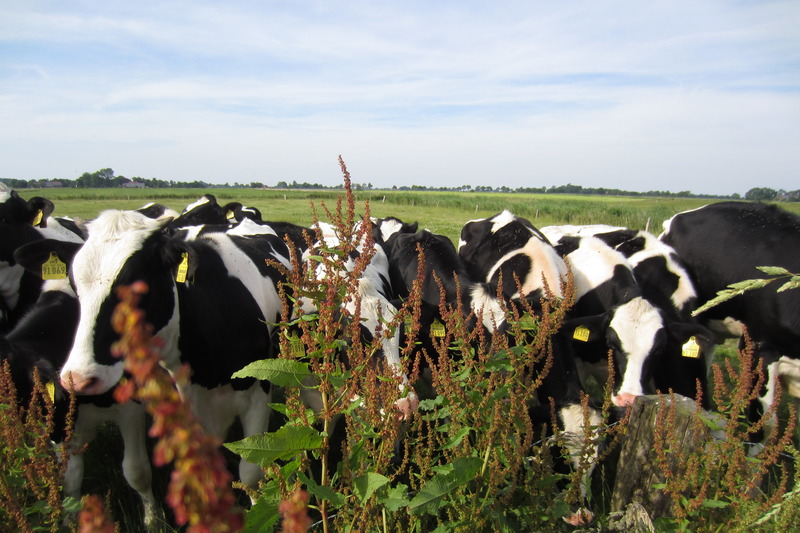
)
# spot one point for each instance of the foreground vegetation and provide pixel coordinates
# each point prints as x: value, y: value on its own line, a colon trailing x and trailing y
x: 471, y: 459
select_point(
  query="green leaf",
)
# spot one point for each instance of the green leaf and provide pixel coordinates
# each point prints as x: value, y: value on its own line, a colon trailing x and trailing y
x: 263, y: 514
x: 323, y: 492
x: 714, y: 504
x: 432, y: 496
x: 774, y: 271
x: 365, y: 486
x: 791, y: 284
x: 395, y: 498
x: 266, y: 448
x: 281, y: 372
x: 456, y: 439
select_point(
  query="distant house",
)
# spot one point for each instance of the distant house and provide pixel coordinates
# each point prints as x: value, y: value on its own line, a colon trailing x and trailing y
x: 133, y: 185
x: 52, y: 184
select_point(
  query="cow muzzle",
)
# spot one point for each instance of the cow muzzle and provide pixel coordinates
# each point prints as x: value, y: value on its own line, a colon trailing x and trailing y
x: 624, y: 399
x: 81, y: 384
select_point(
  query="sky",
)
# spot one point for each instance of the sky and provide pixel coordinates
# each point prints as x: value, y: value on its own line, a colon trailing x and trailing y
x: 700, y: 96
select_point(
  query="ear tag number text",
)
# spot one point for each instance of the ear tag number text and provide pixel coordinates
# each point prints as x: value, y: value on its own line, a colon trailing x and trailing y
x: 54, y: 268
x: 581, y: 333
x: 183, y: 268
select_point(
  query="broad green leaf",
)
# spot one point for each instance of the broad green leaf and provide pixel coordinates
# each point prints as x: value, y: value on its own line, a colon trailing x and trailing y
x: 281, y: 372
x: 266, y: 448
x: 395, y: 497
x: 434, y: 493
x: 263, y: 515
x: 365, y: 486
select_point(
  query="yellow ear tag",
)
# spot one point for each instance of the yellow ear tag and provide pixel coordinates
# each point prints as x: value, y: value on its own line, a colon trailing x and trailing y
x: 230, y: 215
x: 691, y: 348
x: 183, y: 268
x: 54, y: 268
x: 581, y: 333
x: 37, y: 219
x: 51, y: 391
x: 437, y: 329
x: 296, y: 346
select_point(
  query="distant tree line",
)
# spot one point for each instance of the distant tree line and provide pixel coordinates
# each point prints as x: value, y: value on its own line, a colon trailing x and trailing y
x: 106, y: 178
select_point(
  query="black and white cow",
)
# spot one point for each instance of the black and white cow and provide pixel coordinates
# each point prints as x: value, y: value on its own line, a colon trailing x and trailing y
x: 21, y: 222
x: 217, y: 317
x: 723, y: 243
x: 370, y: 301
x: 634, y: 298
x: 508, y: 249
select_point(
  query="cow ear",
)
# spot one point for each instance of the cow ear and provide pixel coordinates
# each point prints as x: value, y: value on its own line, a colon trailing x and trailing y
x: 585, y: 328
x: 181, y: 258
x: 35, y: 255
x: 39, y: 209
x: 682, y: 332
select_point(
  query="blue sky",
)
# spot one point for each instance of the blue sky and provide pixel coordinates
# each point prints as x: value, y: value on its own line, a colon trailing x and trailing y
x: 665, y: 95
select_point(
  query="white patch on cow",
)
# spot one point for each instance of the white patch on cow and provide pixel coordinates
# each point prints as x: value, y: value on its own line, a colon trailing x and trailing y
x: 9, y: 283
x: 56, y: 231
x: 554, y: 233
x: 592, y: 263
x: 389, y: 228
x: 239, y: 265
x: 636, y: 324
x: 668, y: 223
x: 789, y: 370
x: 574, y: 433
x: 198, y: 203
x: 487, y: 306
x: 129, y: 417
x: 113, y: 237
x: 546, y: 265
x: 655, y: 248
x: 218, y: 408
x: 249, y: 227
x: 502, y: 220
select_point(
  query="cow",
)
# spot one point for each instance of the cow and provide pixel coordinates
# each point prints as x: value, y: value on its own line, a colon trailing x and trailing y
x: 373, y: 292
x: 21, y: 222
x: 212, y: 301
x: 509, y: 251
x: 724, y: 243
x: 634, y: 298
x: 43, y: 338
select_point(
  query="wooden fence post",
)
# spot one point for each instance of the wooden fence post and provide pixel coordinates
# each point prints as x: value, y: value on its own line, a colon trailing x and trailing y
x: 637, y: 468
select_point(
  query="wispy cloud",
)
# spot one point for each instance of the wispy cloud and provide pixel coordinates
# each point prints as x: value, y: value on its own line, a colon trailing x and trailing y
x: 701, y: 96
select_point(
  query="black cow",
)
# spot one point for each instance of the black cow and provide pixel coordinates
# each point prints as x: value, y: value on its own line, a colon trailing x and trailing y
x: 724, y: 243
x: 21, y: 222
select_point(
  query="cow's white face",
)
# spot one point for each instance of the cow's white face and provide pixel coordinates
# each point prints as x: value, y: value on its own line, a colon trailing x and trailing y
x: 114, y: 237
x: 637, y: 325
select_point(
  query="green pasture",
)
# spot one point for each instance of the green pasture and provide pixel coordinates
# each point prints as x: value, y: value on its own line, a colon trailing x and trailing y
x: 441, y: 212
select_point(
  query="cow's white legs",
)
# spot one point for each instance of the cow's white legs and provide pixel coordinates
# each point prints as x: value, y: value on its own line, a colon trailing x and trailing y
x: 255, y: 419
x: 136, y: 462
x: 572, y: 417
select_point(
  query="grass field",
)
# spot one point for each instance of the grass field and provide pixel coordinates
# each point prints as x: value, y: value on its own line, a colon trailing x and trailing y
x: 443, y: 213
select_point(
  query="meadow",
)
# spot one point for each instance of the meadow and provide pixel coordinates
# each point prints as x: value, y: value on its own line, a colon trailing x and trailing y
x: 441, y: 212
x: 514, y: 494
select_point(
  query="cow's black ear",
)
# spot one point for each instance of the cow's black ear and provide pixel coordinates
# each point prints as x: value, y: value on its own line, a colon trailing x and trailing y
x: 38, y: 210
x: 585, y: 328
x: 34, y: 255
x: 683, y: 331
x: 412, y: 228
x: 179, y: 257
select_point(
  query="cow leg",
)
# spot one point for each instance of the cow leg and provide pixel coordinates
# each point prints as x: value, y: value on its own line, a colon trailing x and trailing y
x: 254, y: 415
x: 136, y: 462
x: 572, y: 417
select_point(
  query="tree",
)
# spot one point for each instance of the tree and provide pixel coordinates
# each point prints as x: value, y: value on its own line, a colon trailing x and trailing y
x: 761, y: 194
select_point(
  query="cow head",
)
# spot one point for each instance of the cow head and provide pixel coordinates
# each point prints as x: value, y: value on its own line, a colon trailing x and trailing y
x: 123, y: 247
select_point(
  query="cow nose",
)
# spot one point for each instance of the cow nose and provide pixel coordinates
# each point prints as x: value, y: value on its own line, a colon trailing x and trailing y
x: 77, y: 382
x: 624, y: 399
